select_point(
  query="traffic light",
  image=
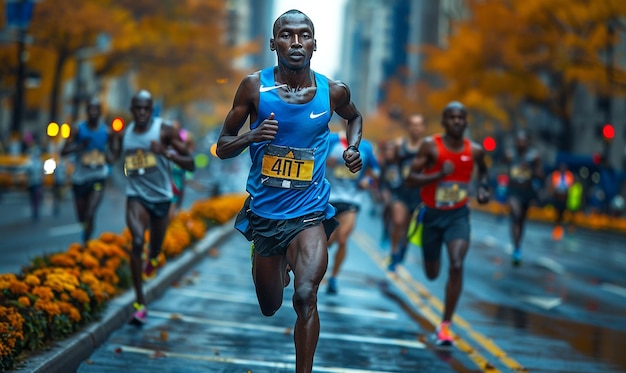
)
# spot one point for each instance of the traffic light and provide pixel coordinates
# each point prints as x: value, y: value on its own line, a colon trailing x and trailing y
x: 53, y: 129
x: 118, y: 124
x: 489, y: 144
x: 66, y: 129
x: 606, y: 131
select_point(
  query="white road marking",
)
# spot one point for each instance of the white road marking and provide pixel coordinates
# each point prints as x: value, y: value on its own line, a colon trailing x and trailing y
x: 546, y: 303
x: 64, y: 230
x: 615, y: 289
x: 236, y: 361
x: 243, y: 299
x: 551, y: 265
x: 281, y: 330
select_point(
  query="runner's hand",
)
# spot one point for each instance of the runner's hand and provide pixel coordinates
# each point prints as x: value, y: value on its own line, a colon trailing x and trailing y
x: 482, y: 195
x: 266, y: 131
x: 353, y: 160
x: 157, y: 148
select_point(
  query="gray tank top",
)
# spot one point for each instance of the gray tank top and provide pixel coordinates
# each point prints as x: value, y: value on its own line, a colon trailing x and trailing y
x: 148, y: 174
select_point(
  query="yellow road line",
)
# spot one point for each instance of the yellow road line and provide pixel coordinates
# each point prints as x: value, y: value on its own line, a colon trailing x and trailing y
x: 424, y: 301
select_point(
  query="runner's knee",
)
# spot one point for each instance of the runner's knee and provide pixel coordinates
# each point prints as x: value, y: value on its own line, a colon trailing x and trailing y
x: 304, y: 299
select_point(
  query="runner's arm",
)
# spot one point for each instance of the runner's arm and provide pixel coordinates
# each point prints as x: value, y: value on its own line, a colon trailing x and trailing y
x: 483, y: 173
x: 230, y: 143
x: 342, y: 104
x: 426, y: 154
x: 71, y: 145
x: 181, y: 156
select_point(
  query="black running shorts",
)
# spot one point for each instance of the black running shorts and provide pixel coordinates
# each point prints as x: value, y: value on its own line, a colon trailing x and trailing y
x: 86, y: 188
x: 443, y: 226
x: 155, y: 209
x: 272, y: 237
x: 341, y: 207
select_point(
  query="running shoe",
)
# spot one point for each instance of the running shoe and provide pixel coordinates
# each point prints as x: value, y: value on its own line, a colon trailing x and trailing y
x: 557, y: 233
x: 332, y: 286
x: 516, y: 257
x: 140, y: 316
x: 444, y: 337
x: 393, y: 261
x: 150, y: 270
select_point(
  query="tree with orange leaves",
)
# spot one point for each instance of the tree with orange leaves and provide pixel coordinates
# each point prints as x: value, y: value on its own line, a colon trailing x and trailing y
x: 507, y: 54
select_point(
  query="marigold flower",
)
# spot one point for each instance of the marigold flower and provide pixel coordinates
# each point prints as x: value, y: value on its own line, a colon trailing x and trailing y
x: 18, y: 287
x: 24, y: 301
x: 80, y: 295
x: 32, y: 280
x: 49, y: 307
x: 43, y: 292
x: 89, y: 261
x: 62, y: 260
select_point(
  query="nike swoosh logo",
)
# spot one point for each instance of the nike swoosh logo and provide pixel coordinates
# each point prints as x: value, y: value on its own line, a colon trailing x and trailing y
x: 264, y: 179
x: 265, y: 89
x: 466, y: 158
x: 313, y: 116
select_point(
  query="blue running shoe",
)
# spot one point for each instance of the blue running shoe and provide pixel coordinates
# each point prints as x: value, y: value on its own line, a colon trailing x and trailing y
x: 332, y: 286
x: 516, y: 257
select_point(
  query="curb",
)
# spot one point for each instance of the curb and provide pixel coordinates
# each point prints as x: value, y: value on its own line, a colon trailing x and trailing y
x: 67, y: 355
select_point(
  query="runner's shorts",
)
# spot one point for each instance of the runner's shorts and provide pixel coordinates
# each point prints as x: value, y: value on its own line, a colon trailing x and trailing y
x: 442, y: 226
x: 342, y: 207
x: 86, y: 188
x: 272, y: 237
x: 155, y: 209
x: 523, y: 195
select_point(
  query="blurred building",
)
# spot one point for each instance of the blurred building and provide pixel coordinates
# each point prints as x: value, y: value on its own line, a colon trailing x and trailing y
x: 389, y: 45
x: 382, y: 42
x: 251, y: 21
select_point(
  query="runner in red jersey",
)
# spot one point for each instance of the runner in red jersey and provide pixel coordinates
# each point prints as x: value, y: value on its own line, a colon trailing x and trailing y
x: 443, y: 169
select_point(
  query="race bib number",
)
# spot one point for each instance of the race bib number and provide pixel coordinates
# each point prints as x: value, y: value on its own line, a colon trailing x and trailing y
x: 286, y: 167
x: 139, y: 162
x: 520, y: 173
x: 406, y: 170
x: 93, y: 159
x: 342, y: 172
x: 450, y: 193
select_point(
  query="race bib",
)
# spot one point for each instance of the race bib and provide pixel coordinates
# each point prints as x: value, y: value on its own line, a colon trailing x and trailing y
x: 286, y: 167
x: 139, y: 162
x: 342, y: 172
x: 521, y: 173
x: 93, y: 158
x: 450, y: 193
x: 406, y: 170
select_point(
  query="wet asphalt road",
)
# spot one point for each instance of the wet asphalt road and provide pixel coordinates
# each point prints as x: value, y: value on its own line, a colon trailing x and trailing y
x: 561, y: 311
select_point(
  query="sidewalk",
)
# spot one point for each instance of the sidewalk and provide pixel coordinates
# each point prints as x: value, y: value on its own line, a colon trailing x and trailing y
x: 65, y: 356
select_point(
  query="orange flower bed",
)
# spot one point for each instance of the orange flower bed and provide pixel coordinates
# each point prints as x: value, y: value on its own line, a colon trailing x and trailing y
x: 548, y: 215
x: 60, y: 293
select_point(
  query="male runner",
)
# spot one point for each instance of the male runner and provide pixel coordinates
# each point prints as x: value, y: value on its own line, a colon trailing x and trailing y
x: 403, y: 200
x: 288, y: 216
x: 443, y: 169
x: 90, y: 142
x: 346, y: 195
x: 147, y: 160
x: 525, y: 175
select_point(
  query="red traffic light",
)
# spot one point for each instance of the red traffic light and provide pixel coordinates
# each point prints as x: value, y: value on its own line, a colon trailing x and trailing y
x: 117, y: 124
x: 608, y: 131
x: 489, y: 144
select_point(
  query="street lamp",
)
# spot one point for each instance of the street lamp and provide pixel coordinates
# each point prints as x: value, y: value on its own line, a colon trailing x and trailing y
x: 19, y: 13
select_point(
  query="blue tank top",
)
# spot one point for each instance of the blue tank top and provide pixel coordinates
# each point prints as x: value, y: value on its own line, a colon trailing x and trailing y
x: 287, y: 176
x: 97, y: 137
x: 91, y: 161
